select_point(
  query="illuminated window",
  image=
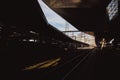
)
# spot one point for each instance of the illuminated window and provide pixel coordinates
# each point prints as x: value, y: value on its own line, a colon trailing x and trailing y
x: 112, y: 9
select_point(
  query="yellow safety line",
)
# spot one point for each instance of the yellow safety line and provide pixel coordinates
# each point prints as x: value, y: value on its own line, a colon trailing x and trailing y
x: 44, y: 64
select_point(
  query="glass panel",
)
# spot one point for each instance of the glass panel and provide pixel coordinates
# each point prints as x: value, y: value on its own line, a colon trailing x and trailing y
x: 61, y: 24
x: 54, y: 19
x: 82, y: 37
x: 112, y: 9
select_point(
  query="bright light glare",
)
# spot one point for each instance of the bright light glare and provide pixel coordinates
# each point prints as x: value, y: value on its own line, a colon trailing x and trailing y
x: 31, y: 40
x: 54, y: 19
x: 61, y: 24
